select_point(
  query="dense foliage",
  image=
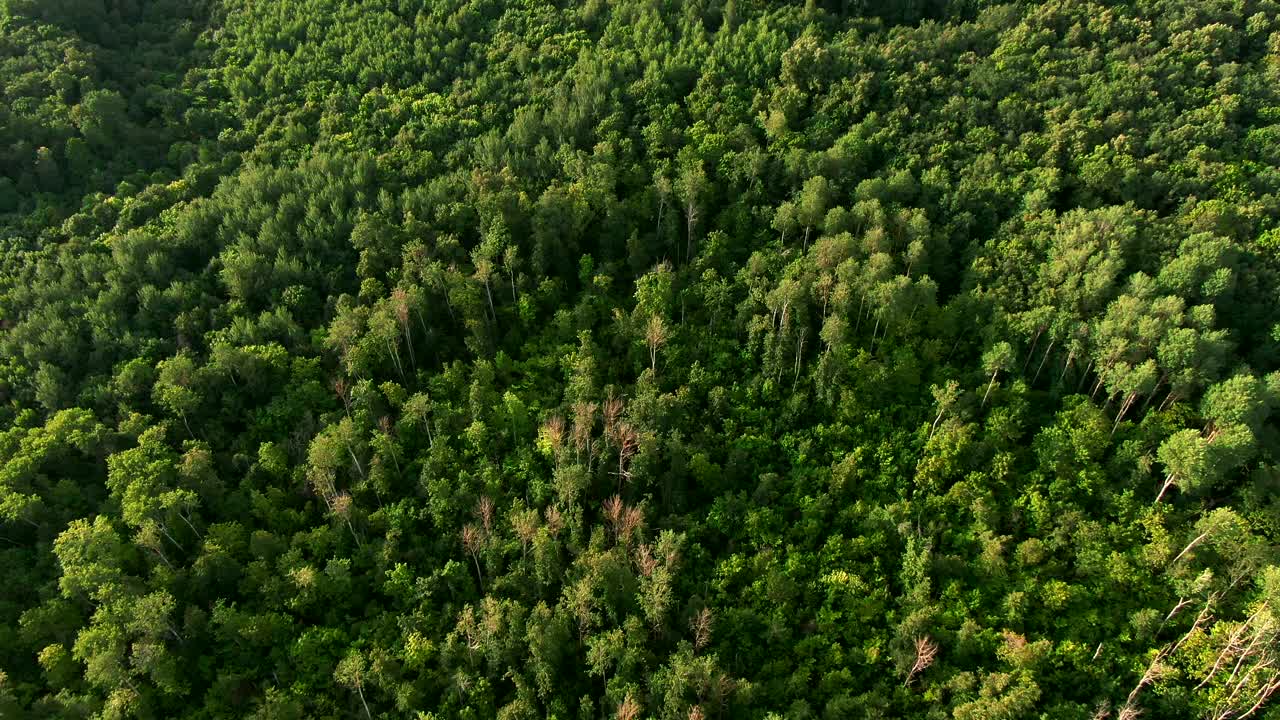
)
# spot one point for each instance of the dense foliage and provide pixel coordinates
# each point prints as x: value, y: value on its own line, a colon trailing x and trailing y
x: 639, y: 359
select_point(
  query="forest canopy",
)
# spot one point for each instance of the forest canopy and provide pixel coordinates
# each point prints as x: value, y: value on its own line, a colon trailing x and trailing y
x: 671, y: 359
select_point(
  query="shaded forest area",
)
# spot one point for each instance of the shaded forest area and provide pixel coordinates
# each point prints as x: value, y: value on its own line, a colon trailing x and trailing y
x: 673, y: 359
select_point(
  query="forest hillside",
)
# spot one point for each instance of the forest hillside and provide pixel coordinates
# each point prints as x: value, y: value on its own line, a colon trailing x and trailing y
x: 639, y: 359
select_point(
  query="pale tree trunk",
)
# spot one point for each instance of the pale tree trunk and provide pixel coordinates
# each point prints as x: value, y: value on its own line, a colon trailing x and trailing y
x: 1151, y: 396
x: 1096, y: 387
x: 1230, y: 645
x: 396, y: 460
x: 1035, y: 340
x: 165, y: 532
x: 479, y: 574
x: 1124, y: 408
x: 160, y: 554
x: 989, y: 386
x: 188, y: 522
x: 422, y: 324
x: 799, y: 355
x: 1071, y: 355
x: 1084, y: 377
x: 408, y: 343
x: 360, y: 692
x: 1189, y: 546
x: 354, y: 459
x: 691, y: 212
x: 1043, y: 360
x: 448, y: 304
x: 934, y: 427
x: 395, y: 358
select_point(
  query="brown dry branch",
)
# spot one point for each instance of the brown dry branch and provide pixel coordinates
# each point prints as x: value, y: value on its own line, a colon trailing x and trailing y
x: 553, y: 431
x: 525, y: 524
x: 484, y: 513
x: 555, y: 521
x: 655, y: 334
x: 926, y: 653
x: 632, y: 522
x: 614, y: 510
x: 342, y: 506
x: 584, y: 420
x: 629, y: 709
x: 701, y: 625
x: 612, y: 412
x: 341, y: 390
x: 645, y: 560
x: 472, y: 542
x: 322, y: 485
x: 1129, y: 712
x: 628, y: 444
